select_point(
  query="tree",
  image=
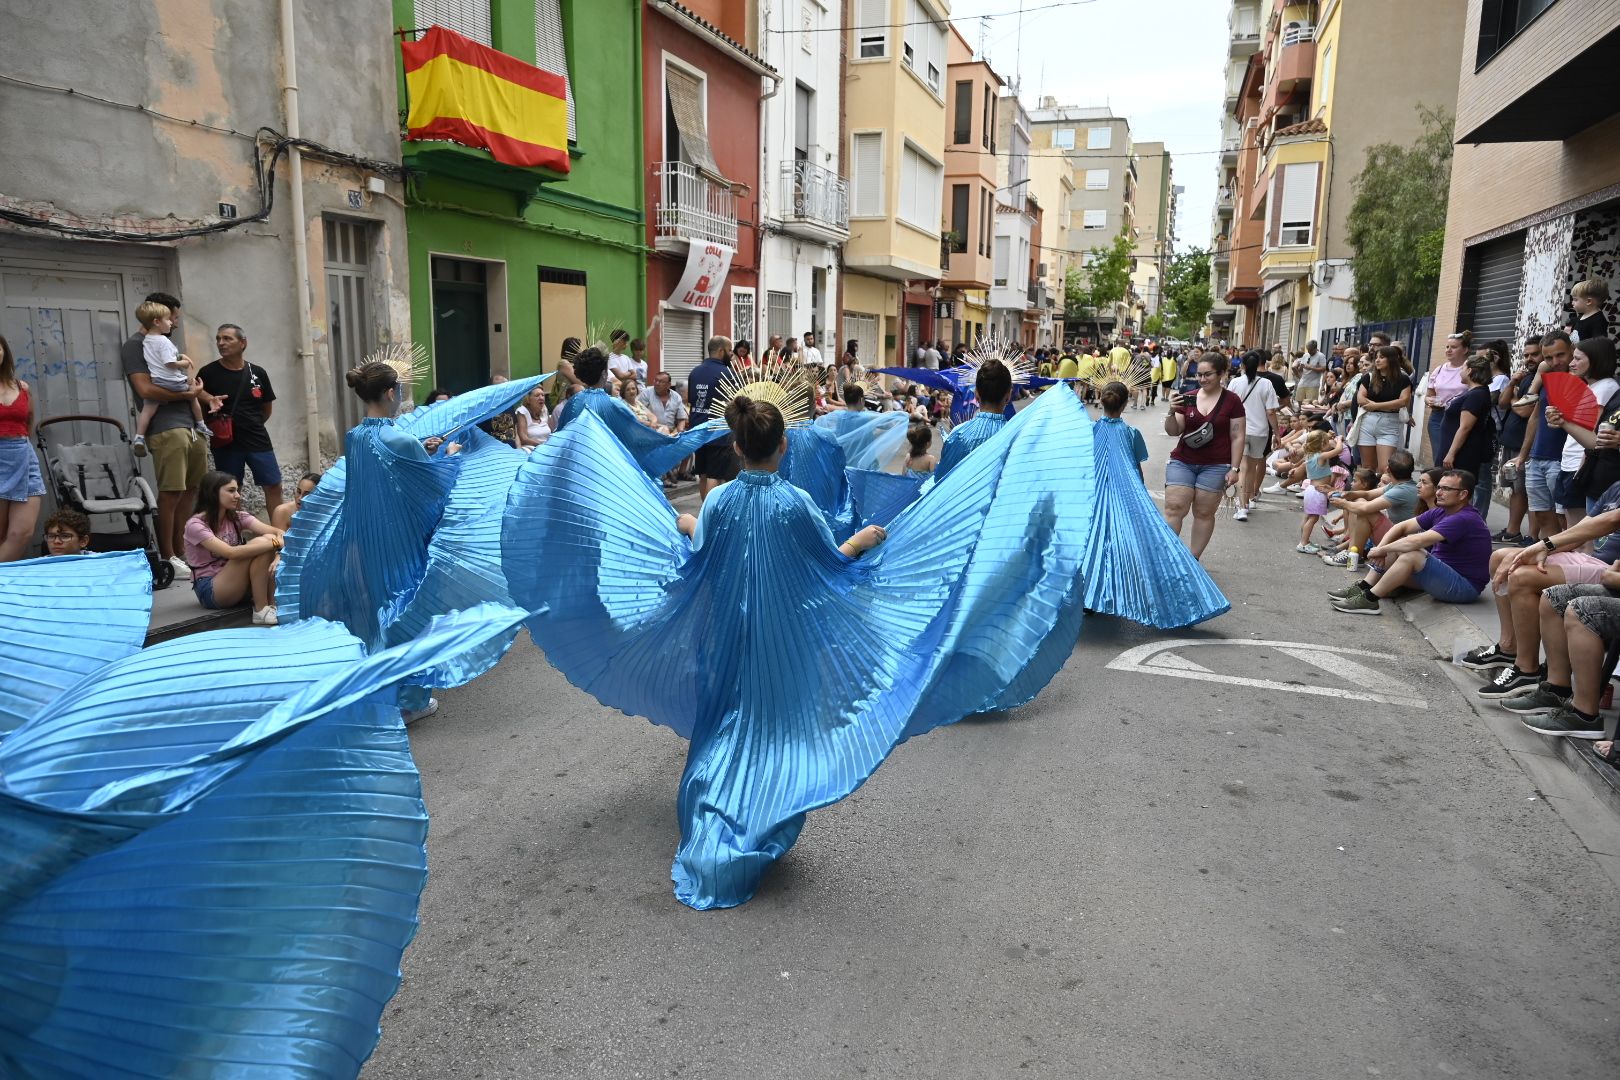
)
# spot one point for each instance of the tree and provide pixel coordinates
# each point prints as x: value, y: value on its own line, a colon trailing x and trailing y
x: 1397, y: 224
x: 1153, y: 326
x: 1108, y: 274
x: 1187, y: 298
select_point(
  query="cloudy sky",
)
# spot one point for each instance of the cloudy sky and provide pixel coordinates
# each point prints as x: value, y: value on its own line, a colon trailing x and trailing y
x: 1159, y: 63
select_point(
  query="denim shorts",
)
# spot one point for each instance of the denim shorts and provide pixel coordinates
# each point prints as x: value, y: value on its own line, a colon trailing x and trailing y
x: 1565, y: 498
x: 1596, y: 607
x: 203, y: 587
x: 1540, y: 478
x: 1203, y: 477
x: 1381, y: 429
x: 1445, y: 584
x: 266, y: 472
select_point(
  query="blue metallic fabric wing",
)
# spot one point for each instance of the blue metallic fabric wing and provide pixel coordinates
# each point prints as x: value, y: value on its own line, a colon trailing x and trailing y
x: 65, y: 618
x: 211, y: 857
x: 878, y: 497
x: 1134, y: 566
x: 374, y: 550
x: 814, y: 463
x: 446, y: 418
x: 792, y: 669
x: 654, y: 453
x: 309, y: 542
x: 938, y: 380
x: 870, y: 440
x: 464, y: 557
x: 965, y: 438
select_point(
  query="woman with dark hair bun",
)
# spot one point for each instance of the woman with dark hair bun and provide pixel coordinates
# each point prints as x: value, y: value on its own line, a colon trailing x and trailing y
x: 793, y: 663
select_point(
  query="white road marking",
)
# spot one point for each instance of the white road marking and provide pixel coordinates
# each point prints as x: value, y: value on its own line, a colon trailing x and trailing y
x: 1161, y: 658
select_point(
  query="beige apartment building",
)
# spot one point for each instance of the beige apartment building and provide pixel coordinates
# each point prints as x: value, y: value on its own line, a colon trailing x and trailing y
x: 895, y: 119
x: 1155, y: 226
x: 1535, y: 185
x: 963, y: 309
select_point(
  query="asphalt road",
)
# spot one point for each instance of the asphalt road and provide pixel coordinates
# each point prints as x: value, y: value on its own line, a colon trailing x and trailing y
x: 1137, y: 875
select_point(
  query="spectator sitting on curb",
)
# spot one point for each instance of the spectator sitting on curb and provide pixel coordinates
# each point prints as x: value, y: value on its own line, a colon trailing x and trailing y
x: 1454, y: 571
x: 1370, y: 514
x: 1577, y: 623
x: 1529, y: 572
x: 67, y: 532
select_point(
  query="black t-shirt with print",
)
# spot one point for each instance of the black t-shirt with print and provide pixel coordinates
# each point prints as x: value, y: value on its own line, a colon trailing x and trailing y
x: 246, y: 393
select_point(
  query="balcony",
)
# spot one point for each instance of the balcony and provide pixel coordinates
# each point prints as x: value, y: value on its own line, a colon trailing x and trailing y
x: 691, y: 207
x: 1298, y: 34
x: 1034, y: 297
x: 814, y: 202
x: 1295, y: 67
x: 1229, y: 151
x: 1243, y: 38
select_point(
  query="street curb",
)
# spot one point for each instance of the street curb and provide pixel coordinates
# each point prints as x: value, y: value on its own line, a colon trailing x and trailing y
x: 1442, y: 625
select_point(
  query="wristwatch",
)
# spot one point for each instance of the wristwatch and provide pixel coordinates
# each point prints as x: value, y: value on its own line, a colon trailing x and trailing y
x: 1547, y: 542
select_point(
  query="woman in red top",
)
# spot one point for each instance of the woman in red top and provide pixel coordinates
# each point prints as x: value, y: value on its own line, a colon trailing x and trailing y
x: 1206, y: 459
x: 21, y: 485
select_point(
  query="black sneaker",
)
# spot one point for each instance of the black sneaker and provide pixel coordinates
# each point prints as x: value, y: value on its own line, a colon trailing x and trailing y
x: 1565, y: 721
x: 1507, y: 681
x: 1486, y: 658
x: 1535, y: 701
x: 1505, y: 537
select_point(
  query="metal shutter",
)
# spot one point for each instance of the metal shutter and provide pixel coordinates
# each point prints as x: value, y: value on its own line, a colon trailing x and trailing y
x: 469, y: 18
x: 680, y: 349
x: 1491, y: 276
x: 779, y: 314
x: 872, y: 28
x: 549, y: 51
x: 913, y: 331
x: 867, y: 153
x: 686, y: 103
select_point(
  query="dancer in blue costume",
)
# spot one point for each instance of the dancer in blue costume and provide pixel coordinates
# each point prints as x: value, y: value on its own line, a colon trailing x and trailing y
x: 795, y: 667
x: 211, y: 851
x: 1134, y: 566
x: 815, y: 462
x: 369, y: 548
x: 655, y: 453
x: 993, y: 386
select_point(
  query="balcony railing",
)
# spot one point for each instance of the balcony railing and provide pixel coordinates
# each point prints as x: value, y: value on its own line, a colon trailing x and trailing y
x: 1298, y: 34
x: 693, y: 207
x: 815, y: 196
x: 1034, y: 297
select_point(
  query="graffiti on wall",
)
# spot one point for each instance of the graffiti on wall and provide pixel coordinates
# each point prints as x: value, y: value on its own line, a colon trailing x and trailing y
x: 1557, y: 254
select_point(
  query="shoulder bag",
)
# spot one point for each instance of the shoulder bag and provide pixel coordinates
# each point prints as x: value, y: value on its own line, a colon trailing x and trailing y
x: 222, y: 429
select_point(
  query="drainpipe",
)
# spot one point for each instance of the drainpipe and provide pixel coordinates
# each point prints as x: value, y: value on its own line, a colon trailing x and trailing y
x: 300, y: 238
x: 654, y: 350
x: 847, y: 10
x: 759, y: 204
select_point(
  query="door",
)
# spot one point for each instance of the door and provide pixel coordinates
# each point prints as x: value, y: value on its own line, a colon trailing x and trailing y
x: 680, y: 346
x: 914, y: 333
x: 65, y: 328
x: 562, y: 312
x: 864, y: 329
x: 460, y: 325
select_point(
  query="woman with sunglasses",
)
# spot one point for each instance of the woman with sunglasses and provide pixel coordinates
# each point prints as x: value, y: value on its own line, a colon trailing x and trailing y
x: 1208, y: 453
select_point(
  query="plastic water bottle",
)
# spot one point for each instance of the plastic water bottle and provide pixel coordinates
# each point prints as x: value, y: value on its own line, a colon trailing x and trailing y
x: 1355, y: 560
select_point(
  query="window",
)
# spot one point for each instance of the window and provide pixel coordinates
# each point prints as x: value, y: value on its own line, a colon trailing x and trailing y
x: 1063, y: 138
x: 1099, y: 138
x: 866, y: 174
x: 999, y: 277
x: 550, y: 52
x: 921, y: 184
x: 1324, y: 85
x: 872, y: 28
x: 984, y: 221
x: 1500, y: 22
x: 989, y: 118
x: 350, y: 335
x: 963, y: 111
x: 1096, y: 179
x: 1297, y: 204
x: 686, y: 133
x: 924, y: 50
x: 469, y: 18
x: 1095, y: 219
x: 804, y: 114
x: 742, y: 316
x: 778, y: 315
x: 959, y: 218
x: 1093, y: 257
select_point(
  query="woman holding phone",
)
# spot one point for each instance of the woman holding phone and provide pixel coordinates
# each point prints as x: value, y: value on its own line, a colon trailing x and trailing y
x: 1208, y: 454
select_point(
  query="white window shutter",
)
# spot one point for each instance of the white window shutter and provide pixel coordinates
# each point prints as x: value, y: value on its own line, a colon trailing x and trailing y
x: 867, y: 158
x: 1096, y: 179
x: 1298, y: 203
x: 872, y: 22
x: 1096, y: 219
x: 469, y: 18
x: 550, y: 54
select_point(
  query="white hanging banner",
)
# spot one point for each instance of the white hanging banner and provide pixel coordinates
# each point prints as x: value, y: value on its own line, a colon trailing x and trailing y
x: 706, y: 269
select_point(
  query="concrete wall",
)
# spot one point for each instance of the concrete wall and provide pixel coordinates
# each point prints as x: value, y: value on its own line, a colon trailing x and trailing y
x: 217, y: 63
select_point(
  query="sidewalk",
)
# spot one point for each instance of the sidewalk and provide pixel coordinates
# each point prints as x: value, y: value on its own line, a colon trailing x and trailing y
x: 1566, y: 771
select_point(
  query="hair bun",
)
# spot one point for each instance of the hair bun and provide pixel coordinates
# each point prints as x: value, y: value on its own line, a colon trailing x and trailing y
x: 353, y: 377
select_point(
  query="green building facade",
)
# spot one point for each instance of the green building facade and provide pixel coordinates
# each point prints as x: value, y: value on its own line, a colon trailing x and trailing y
x: 506, y: 262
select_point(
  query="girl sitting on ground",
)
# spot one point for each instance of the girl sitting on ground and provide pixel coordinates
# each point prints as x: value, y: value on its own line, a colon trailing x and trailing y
x: 1321, y: 452
x: 919, y: 462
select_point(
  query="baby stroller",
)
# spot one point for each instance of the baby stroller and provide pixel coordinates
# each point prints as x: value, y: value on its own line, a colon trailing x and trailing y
x: 102, y: 478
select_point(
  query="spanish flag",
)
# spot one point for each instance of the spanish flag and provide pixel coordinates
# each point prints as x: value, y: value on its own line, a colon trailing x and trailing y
x: 464, y: 92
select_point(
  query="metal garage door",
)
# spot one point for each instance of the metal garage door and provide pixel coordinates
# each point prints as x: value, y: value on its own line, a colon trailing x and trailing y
x: 680, y: 347
x: 1489, y: 305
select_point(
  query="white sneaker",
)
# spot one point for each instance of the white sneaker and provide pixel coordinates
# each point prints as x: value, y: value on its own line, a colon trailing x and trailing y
x: 421, y: 714
x: 182, y: 572
x: 1272, y: 489
x: 1241, y: 514
x: 265, y: 616
x: 138, y: 445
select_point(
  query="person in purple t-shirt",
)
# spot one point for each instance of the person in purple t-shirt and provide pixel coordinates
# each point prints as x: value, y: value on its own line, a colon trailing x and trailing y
x: 1446, y: 552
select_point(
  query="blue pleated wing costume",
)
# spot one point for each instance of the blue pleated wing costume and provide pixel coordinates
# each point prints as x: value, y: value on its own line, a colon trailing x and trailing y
x: 792, y: 669
x: 1134, y: 566
x: 212, y: 851
x: 654, y: 452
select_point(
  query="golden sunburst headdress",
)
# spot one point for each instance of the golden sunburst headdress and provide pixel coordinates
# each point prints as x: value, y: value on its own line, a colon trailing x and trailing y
x: 1138, y: 375
x: 409, y: 359
x: 779, y: 384
x: 1009, y: 353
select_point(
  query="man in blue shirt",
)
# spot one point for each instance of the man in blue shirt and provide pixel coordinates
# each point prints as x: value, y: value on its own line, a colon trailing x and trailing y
x: 717, y: 462
x: 993, y: 386
x: 1541, y: 470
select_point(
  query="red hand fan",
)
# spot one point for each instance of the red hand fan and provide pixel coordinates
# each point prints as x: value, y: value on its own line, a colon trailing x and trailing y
x: 1570, y: 395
